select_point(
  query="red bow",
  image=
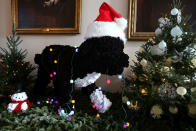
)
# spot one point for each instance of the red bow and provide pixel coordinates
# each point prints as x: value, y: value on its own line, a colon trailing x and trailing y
x: 18, y: 107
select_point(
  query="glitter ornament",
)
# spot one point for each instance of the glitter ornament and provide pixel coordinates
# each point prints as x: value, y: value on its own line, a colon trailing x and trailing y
x: 173, y: 109
x: 167, y: 91
x: 181, y: 91
x: 156, y: 112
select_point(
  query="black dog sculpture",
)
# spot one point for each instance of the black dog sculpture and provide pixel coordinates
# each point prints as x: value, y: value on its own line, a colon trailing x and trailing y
x: 101, y: 53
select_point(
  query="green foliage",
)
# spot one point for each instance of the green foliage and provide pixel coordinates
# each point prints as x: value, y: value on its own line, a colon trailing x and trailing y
x: 45, y: 117
x: 17, y: 69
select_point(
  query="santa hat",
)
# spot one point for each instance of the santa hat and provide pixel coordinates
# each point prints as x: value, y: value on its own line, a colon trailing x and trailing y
x: 108, y: 23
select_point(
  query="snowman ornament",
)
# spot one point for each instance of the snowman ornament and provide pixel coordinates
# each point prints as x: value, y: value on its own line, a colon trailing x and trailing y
x: 19, y: 103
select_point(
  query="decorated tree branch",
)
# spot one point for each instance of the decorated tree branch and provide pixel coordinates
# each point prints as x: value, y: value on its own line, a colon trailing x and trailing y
x: 15, y: 69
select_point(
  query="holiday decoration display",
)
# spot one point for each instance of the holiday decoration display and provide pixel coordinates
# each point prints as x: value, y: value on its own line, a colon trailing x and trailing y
x: 165, y: 90
x: 100, y: 53
x: 20, y: 103
x: 16, y: 72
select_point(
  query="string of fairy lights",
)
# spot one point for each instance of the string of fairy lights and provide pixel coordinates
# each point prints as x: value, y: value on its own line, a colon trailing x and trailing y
x: 63, y: 112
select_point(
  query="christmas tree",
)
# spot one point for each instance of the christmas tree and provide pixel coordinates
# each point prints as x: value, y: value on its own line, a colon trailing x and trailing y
x: 162, y: 81
x: 15, y: 71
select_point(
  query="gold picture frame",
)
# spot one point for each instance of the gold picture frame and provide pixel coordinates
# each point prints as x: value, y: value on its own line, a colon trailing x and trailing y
x: 70, y: 26
x: 132, y: 20
x: 144, y: 15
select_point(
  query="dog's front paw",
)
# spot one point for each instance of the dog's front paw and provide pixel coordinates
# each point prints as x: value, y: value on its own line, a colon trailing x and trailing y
x: 101, y: 101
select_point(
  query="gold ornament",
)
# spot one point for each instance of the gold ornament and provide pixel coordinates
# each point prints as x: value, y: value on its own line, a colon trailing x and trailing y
x: 156, y: 111
x: 173, y: 109
x: 169, y: 61
x: 193, y: 61
x: 165, y: 69
x: 192, y: 109
x: 134, y: 105
x: 141, y: 50
x: 143, y: 62
x: 193, y: 89
x: 133, y: 76
x: 141, y: 79
x: 155, y: 87
x: 163, y: 80
x: 144, y: 91
x: 181, y: 91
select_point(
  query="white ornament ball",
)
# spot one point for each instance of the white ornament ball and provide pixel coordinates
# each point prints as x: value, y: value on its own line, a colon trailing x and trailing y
x: 158, y: 32
x: 162, y: 21
x: 179, y: 19
x: 176, y: 32
x: 179, y: 39
x: 193, y: 61
x: 162, y: 44
x: 174, y: 11
x: 144, y: 62
x: 155, y: 50
x: 181, y: 91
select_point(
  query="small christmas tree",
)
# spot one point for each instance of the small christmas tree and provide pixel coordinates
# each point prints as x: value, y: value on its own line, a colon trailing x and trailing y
x: 14, y: 68
x: 163, y: 80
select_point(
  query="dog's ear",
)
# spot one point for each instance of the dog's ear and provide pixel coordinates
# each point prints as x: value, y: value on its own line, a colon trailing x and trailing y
x: 104, y: 55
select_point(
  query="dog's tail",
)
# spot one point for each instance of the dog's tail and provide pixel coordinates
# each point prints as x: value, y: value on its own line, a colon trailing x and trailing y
x: 37, y: 58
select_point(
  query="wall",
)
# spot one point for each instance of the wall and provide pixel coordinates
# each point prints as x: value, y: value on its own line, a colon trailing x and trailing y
x: 35, y: 43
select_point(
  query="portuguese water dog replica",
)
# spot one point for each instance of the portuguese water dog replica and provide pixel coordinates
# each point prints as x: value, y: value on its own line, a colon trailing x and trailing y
x: 100, y: 53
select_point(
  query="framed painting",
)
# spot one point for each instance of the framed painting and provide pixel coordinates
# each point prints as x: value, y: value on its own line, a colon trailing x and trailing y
x: 144, y: 15
x: 46, y: 16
